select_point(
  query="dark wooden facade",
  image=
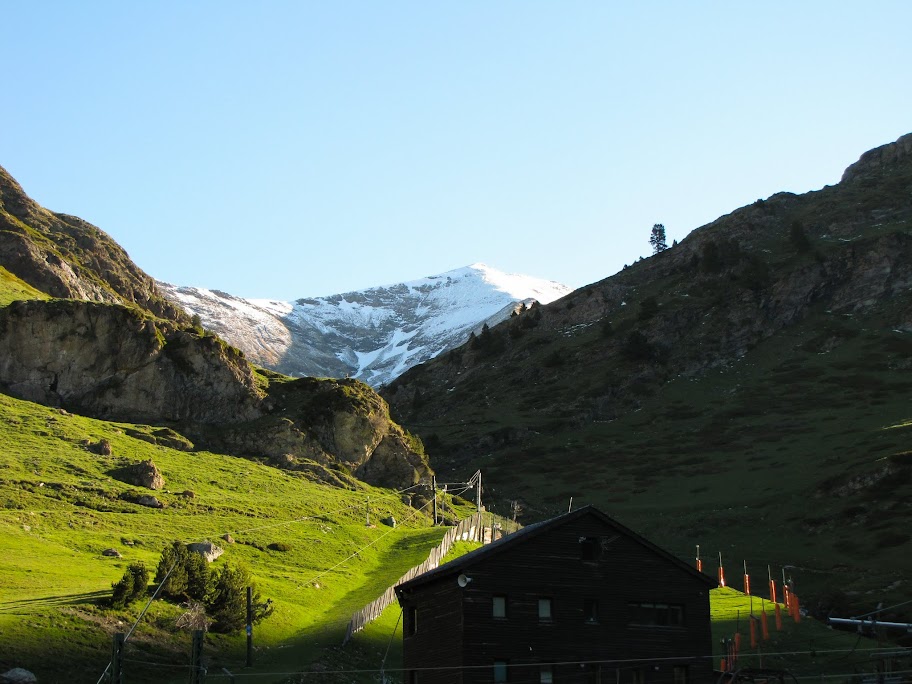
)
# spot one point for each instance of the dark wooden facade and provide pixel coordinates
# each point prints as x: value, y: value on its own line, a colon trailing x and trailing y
x: 621, y: 610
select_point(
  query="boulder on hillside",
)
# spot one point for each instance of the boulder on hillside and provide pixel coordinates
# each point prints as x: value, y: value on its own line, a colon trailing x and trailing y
x: 142, y: 474
x: 18, y: 675
x: 206, y: 549
x: 113, y: 553
x: 102, y: 447
x: 149, y: 502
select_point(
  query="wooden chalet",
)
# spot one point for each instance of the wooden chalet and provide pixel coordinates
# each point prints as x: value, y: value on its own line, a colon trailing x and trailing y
x: 578, y: 598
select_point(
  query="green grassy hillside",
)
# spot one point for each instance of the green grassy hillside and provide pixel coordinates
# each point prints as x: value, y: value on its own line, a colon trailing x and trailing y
x: 745, y: 390
x: 13, y: 288
x: 59, y: 509
x: 805, y: 649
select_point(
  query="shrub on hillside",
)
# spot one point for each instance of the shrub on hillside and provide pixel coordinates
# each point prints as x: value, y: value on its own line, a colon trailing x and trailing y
x: 131, y: 586
x: 189, y: 573
x: 228, y: 604
x: 223, y: 594
x: 636, y: 347
x: 649, y: 307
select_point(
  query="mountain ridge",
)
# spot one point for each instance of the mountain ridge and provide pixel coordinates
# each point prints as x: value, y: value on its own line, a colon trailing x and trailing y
x: 373, y: 334
x: 720, y: 382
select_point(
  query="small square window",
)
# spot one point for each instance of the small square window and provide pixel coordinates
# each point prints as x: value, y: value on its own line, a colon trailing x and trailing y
x: 544, y: 609
x: 500, y: 671
x: 546, y: 675
x: 590, y: 548
x: 500, y: 607
x: 590, y: 610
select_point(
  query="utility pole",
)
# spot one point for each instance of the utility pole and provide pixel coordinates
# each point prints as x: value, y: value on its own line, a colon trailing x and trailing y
x: 434, y: 487
x: 478, y: 491
x: 249, y: 626
x: 117, y: 659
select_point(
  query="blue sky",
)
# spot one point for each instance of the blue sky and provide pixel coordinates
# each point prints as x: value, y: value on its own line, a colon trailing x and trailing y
x: 290, y: 149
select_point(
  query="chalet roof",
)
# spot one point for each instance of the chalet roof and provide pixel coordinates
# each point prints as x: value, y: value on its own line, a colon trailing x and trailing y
x: 529, y: 532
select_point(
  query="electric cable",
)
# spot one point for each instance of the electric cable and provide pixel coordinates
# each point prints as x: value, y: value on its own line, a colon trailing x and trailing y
x: 141, y: 615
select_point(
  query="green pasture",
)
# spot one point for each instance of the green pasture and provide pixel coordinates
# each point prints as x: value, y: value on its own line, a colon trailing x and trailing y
x: 13, y: 288
x: 60, y: 508
x: 807, y: 649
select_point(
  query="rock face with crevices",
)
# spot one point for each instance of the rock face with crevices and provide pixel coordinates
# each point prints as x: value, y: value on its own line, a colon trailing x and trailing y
x: 114, y: 362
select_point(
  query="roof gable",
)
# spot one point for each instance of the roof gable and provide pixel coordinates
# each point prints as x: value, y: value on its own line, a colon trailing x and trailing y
x: 529, y: 533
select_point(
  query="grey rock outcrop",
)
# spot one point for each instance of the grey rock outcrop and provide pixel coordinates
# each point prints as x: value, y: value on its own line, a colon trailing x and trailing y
x: 149, y: 501
x: 114, y: 362
x: 207, y: 550
x: 18, y: 675
x: 880, y: 158
x: 142, y: 474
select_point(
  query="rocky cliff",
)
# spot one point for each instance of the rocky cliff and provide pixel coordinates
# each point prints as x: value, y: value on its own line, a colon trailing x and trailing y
x: 114, y: 362
x: 111, y: 347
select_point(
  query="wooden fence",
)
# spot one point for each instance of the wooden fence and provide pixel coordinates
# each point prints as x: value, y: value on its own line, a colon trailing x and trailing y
x: 470, y: 529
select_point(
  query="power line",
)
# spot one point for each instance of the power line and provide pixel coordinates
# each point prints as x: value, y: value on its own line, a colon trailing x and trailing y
x: 141, y: 615
x: 615, y: 661
x: 881, y: 610
x: 363, y: 548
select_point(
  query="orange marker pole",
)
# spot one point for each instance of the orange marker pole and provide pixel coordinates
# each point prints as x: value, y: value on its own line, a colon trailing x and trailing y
x: 747, y: 580
x: 721, y: 571
x: 796, y: 609
x: 764, y: 625
x: 753, y: 633
x: 699, y: 560
x: 778, y: 618
x: 769, y: 572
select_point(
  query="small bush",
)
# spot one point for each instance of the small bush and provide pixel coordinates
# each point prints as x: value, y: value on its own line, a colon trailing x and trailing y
x: 279, y: 546
x: 131, y: 586
x: 649, y: 307
x: 228, y: 605
x: 637, y: 347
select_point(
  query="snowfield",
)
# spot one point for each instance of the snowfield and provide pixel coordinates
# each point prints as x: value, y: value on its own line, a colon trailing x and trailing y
x: 375, y: 334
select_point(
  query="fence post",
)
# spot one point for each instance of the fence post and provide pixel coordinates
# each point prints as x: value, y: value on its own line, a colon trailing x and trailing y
x: 117, y: 658
x: 249, y: 626
x: 196, y: 658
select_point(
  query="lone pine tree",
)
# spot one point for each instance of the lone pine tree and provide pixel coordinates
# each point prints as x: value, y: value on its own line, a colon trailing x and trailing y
x: 657, y: 238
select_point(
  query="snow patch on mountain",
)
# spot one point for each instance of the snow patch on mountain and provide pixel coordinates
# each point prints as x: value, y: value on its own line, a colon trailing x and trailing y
x: 375, y: 334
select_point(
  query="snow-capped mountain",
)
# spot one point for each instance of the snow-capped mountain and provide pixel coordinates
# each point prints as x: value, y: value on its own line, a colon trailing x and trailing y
x: 374, y: 334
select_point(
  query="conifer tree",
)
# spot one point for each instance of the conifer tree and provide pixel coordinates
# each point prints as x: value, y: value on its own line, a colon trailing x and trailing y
x: 657, y: 238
